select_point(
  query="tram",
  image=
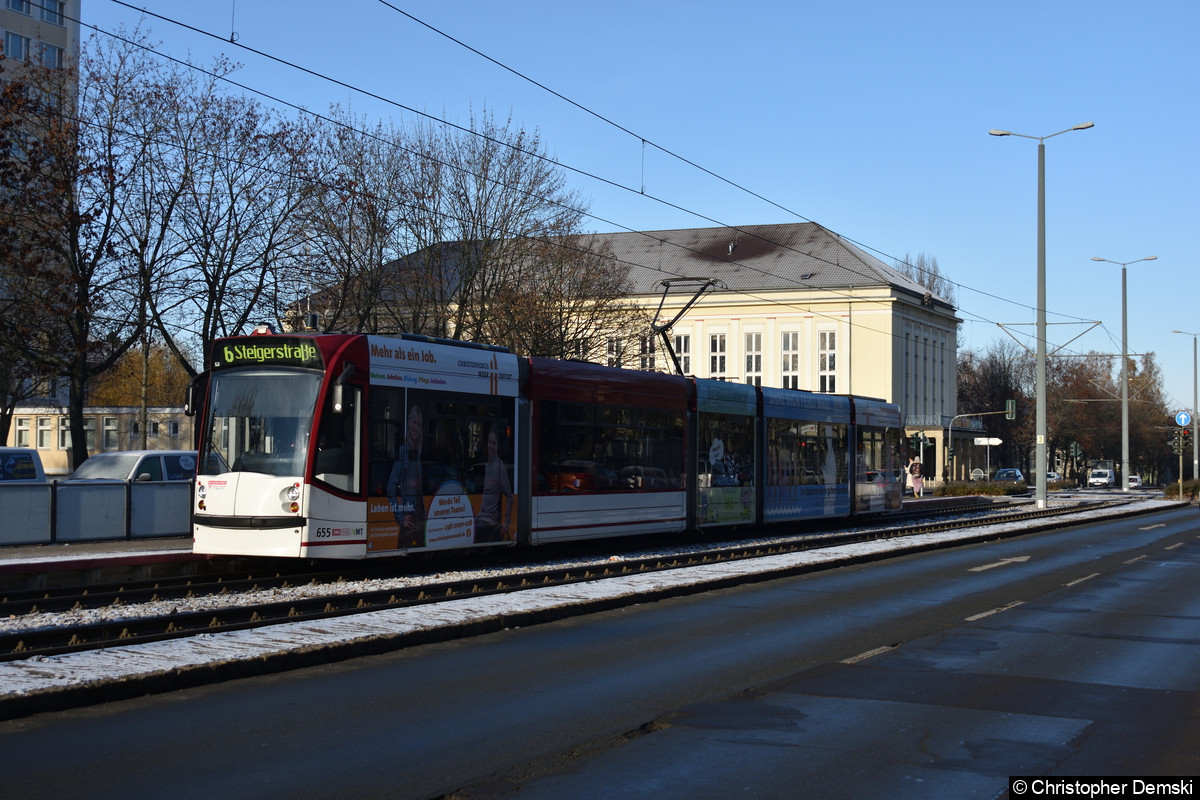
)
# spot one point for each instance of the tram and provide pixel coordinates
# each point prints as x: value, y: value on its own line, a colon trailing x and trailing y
x: 357, y: 446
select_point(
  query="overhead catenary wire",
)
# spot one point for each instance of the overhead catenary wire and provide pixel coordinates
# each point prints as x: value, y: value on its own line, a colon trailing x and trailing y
x: 532, y: 154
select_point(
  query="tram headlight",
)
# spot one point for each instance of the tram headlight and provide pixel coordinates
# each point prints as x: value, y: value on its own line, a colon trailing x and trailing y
x: 291, y: 495
x: 202, y: 491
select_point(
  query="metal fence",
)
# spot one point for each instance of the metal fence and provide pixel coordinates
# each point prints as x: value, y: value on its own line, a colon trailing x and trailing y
x: 45, y: 513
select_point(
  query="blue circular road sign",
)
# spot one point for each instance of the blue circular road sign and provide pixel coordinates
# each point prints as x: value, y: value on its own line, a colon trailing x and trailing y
x: 1183, y: 419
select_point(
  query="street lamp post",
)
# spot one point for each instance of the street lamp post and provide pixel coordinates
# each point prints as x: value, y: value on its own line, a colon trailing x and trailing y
x: 1124, y: 370
x: 1040, y: 460
x: 1195, y: 410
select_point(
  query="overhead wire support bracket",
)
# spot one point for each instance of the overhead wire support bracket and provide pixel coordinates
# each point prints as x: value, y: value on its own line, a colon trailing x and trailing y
x: 664, y: 329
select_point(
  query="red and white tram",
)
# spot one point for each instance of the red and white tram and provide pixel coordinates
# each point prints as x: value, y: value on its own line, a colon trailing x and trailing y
x: 355, y: 446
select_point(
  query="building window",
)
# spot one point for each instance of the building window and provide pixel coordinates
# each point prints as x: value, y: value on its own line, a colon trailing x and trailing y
x: 20, y: 6
x: 172, y: 428
x: 22, y: 436
x: 89, y: 434
x: 52, y: 57
x: 754, y: 359
x: 790, y: 346
x: 616, y: 352
x: 52, y: 11
x: 111, y: 429
x: 827, y: 361
x: 45, y: 433
x: 151, y: 427
x: 683, y: 351
x: 64, y: 433
x: 716, y: 356
x: 647, y: 355
x: 16, y: 46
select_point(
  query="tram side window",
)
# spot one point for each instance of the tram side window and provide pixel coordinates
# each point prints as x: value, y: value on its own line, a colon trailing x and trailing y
x: 337, y: 459
x: 807, y: 452
x: 584, y: 447
x: 726, y: 450
x: 878, y: 455
x: 451, y: 431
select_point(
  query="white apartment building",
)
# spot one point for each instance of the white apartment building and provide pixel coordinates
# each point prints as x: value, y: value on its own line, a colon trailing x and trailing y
x: 42, y: 32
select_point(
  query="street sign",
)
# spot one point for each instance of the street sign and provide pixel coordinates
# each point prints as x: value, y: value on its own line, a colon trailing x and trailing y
x: 982, y: 440
x: 1183, y: 419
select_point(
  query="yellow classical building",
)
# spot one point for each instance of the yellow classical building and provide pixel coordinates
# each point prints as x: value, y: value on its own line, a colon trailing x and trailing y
x: 797, y: 306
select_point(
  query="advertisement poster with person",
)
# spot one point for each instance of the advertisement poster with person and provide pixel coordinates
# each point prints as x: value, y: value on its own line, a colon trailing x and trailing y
x: 494, y: 518
x: 441, y: 471
x: 433, y: 481
x: 726, y: 482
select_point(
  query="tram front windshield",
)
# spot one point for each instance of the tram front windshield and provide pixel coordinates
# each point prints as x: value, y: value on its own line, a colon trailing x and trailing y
x: 259, y: 420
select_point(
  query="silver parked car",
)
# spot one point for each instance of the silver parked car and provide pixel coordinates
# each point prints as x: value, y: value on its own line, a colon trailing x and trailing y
x: 138, y: 465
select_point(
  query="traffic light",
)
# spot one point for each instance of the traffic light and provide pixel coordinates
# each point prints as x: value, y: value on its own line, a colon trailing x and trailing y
x: 1010, y: 409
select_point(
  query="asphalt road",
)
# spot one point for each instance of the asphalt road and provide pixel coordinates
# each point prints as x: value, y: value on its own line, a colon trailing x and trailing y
x: 1073, y: 652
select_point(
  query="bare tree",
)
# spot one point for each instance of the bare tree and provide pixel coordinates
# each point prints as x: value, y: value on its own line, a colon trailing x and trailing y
x: 1083, y: 405
x: 503, y: 196
x: 77, y: 160
x: 24, y: 244
x: 924, y: 270
x: 567, y: 299
x: 455, y: 233
x: 230, y: 177
x: 356, y: 218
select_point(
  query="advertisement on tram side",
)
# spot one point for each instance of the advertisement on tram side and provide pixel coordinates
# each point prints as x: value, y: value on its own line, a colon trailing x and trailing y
x: 726, y: 476
x: 807, y: 443
x: 441, y: 456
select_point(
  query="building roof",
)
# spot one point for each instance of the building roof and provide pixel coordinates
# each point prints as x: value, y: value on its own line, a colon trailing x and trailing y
x: 793, y: 256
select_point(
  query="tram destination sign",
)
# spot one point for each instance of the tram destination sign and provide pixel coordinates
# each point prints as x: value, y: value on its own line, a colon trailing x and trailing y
x: 286, y: 351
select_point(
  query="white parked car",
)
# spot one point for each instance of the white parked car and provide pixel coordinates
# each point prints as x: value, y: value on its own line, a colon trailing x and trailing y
x: 1101, y: 477
x: 1135, y: 481
x: 21, y: 465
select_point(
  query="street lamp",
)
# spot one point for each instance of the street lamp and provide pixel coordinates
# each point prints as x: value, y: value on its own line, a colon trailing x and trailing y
x: 1195, y: 439
x: 1040, y: 461
x: 1124, y: 370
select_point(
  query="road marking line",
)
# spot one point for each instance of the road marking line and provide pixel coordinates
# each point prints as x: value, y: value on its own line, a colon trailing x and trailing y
x: 977, y: 617
x: 1152, y: 527
x: 1134, y: 560
x: 869, y: 654
x: 1081, y: 580
x: 1001, y: 563
x: 1173, y: 546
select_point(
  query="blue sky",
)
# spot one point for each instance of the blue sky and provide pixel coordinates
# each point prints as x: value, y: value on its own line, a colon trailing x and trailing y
x: 870, y: 117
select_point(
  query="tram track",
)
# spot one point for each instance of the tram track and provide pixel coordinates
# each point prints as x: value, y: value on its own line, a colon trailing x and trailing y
x: 329, y: 600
